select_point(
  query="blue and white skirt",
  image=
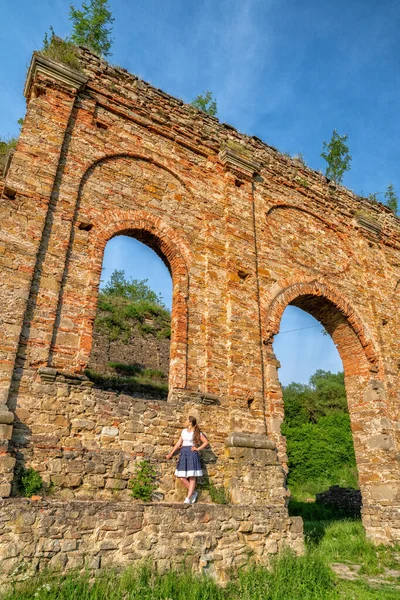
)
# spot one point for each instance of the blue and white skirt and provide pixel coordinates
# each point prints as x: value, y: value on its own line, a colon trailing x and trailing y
x: 189, y: 464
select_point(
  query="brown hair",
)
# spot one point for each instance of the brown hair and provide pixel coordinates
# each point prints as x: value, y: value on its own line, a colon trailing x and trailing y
x: 196, y: 430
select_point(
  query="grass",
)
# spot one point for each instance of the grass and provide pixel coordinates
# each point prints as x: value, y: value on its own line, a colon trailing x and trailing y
x: 140, y: 383
x: 302, y: 578
x: 119, y: 318
x: 346, y: 477
x: 61, y: 51
x: 307, y: 577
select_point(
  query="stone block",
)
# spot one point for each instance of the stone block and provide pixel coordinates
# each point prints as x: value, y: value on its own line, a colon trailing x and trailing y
x: 5, y: 431
x: 110, y: 431
x: 5, y: 490
x: 249, y: 440
x: 6, y: 416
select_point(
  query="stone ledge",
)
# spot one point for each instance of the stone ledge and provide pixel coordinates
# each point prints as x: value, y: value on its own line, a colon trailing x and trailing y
x: 239, y: 163
x: 55, y: 70
x: 249, y: 440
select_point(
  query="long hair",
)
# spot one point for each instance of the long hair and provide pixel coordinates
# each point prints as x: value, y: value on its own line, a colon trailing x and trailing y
x: 196, y: 430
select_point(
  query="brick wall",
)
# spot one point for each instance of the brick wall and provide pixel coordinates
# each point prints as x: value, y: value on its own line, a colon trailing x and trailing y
x: 103, y: 154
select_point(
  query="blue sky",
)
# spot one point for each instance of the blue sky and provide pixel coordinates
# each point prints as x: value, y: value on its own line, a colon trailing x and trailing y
x: 287, y: 71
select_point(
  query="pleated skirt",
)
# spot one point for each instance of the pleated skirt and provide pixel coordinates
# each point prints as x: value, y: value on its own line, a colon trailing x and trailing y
x: 189, y: 464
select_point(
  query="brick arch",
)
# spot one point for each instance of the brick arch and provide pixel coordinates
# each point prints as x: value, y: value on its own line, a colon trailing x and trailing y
x: 337, y: 316
x: 175, y: 254
x: 134, y: 156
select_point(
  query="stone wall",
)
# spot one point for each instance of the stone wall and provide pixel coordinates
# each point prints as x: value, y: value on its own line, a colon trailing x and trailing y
x: 85, y: 442
x: 92, y: 535
x: 244, y: 230
x: 145, y: 350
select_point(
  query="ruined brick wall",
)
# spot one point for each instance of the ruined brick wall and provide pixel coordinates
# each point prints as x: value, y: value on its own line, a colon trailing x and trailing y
x: 103, y: 153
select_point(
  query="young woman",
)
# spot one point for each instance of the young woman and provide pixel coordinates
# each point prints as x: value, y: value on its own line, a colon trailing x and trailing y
x: 189, y: 466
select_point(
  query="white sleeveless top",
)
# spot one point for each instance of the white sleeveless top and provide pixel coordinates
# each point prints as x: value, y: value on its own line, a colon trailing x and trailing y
x: 187, y: 437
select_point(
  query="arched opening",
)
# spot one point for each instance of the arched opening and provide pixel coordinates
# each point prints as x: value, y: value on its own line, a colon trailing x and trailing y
x: 366, y: 396
x: 74, y: 334
x: 320, y: 448
x: 132, y: 329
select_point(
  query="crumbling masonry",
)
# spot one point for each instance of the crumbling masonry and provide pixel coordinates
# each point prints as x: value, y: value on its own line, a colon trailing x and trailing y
x: 245, y: 231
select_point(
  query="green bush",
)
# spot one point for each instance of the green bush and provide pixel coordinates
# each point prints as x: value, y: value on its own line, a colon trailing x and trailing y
x: 143, y: 482
x: 31, y: 482
x: 319, y: 439
x: 320, y: 450
x: 217, y: 494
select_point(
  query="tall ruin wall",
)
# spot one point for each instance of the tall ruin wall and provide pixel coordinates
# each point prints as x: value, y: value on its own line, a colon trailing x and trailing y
x: 245, y: 231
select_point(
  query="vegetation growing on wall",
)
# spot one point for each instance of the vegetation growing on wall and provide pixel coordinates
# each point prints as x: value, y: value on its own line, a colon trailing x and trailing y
x: 337, y: 156
x: 63, y: 51
x: 206, y: 103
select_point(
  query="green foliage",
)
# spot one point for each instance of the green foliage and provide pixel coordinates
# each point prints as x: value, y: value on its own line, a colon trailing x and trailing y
x: 217, y: 493
x: 206, y: 103
x: 290, y: 577
x: 337, y: 155
x: 6, y: 144
x: 143, y: 482
x: 31, y: 482
x: 126, y: 304
x: 392, y: 199
x: 324, y: 395
x: 319, y: 439
x: 320, y: 450
x: 61, y: 50
x: 91, y: 26
x: 135, y: 290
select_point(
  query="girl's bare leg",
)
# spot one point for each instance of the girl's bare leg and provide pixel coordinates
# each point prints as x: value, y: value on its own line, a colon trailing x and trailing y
x: 185, y: 482
x: 192, y: 486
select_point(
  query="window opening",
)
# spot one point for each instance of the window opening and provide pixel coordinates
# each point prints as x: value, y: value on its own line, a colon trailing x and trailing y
x: 132, y: 330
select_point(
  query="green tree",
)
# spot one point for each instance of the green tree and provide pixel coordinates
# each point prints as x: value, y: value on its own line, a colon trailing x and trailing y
x: 91, y: 26
x: 392, y: 199
x: 325, y: 394
x: 317, y: 427
x: 206, y: 103
x: 135, y: 290
x: 337, y: 155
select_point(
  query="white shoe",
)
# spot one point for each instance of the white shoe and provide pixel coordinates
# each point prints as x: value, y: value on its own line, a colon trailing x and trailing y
x: 193, y: 497
x: 186, y: 501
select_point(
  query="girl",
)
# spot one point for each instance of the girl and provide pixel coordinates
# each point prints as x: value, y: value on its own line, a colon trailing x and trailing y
x: 189, y: 466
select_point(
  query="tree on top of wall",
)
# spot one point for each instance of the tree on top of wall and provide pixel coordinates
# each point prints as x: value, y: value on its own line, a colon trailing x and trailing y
x: 392, y: 199
x: 337, y: 155
x: 206, y: 103
x: 92, y: 26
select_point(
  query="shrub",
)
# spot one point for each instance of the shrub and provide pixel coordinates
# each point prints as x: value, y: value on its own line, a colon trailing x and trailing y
x: 143, y: 482
x: 217, y: 494
x: 31, y: 482
x: 63, y: 51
